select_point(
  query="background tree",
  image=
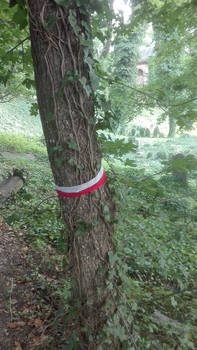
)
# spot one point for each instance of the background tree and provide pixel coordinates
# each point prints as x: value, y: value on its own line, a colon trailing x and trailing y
x: 170, y: 77
x: 15, y: 55
x: 171, y: 84
x: 125, y: 57
x: 108, y: 40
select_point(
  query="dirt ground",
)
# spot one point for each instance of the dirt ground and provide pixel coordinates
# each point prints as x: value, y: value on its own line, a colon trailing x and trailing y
x: 15, y: 291
x: 25, y: 310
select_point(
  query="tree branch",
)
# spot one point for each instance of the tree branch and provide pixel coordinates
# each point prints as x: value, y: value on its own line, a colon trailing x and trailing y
x: 164, y: 108
x: 132, y: 88
x: 183, y: 103
x: 7, y: 22
x: 15, y: 47
x: 2, y: 97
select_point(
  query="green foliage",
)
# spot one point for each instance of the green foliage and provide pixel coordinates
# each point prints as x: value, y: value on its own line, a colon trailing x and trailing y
x: 20, y: 16
x: 117, y: 147
x: 72, y: 145
x: 37, y: 212
x: 15, y: 62
x: 125, y: 57
x: 155, y: 237
x: 34, y: 109
x: 33, y: 209
x: 185, y: 163
x: 171, y: 78
x: 18, y: 143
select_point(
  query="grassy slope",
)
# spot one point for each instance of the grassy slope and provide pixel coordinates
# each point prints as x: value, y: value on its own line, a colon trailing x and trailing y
x: 15, y: 118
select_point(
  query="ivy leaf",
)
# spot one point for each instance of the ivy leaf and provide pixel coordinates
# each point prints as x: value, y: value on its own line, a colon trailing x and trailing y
x: 87, y: 88
x: 107, y: 217
x: 94, y: 80
x: 51, y: 20
x: 59, y: 160
x: 73, y: 22
x: 93, y: 77
x: 49, y: 116
x: 71, y: 161
x: 173, y: 302
x: 82, y: 228
x: 106, y: 209
x: 112, y: 258
x: 57, y: 148
x: 85, y: 25
x: 34, y: 109
x: 91, y: 121
x: 72, y: 145
x: 80, y: 166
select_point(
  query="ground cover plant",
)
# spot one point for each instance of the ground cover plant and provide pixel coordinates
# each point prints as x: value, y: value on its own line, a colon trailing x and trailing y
x: 155, y: 237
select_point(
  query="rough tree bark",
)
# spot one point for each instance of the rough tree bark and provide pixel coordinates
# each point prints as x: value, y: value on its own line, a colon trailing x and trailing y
x: 67, y: 115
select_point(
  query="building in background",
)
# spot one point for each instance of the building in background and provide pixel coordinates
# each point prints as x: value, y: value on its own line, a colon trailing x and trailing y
x: 142, y: 65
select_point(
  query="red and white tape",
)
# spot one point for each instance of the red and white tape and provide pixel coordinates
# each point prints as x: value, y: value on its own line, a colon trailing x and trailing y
x: 75, y: 191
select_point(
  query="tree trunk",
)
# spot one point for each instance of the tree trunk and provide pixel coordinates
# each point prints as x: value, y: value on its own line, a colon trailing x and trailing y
x: 107, y: 44
x: 66, y: 107
x: 172, y: 126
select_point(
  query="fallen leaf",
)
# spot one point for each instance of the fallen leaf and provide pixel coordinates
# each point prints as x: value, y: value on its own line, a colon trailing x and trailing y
x: 31, y: 322
x: 37, y: 322
x: 35, y: 339
x: 17, y: 345
x: 24, y: 250
x: 14, y: 325
x: 27, y: 310
x: 43, y: 337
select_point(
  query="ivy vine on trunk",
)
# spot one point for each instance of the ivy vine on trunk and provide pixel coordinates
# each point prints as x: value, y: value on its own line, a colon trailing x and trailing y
x: 60, y: 40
